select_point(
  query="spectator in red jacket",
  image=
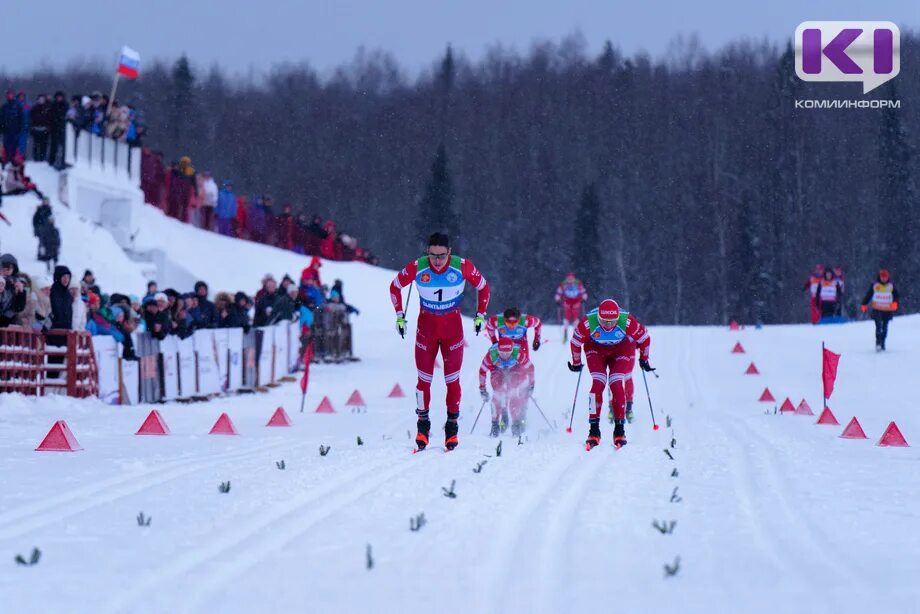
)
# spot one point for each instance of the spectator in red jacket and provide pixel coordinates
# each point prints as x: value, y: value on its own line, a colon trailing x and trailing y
x: 242, y: 217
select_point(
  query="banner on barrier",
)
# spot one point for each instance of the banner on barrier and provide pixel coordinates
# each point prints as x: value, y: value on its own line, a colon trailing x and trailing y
x: 235, y: 358
x: 208, y: 368
x: 188, y: 379
x: 130, y: 382
x: 107, y: 353
x: 169, y: 348
x: 265, y: 347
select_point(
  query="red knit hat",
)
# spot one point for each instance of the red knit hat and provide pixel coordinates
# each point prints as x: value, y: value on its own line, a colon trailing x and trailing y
x: 506, y: 345
x: 608, y: 310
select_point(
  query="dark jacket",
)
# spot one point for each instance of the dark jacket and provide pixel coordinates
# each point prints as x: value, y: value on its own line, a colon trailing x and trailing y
x: 40, y: 217
x: 162, y: 318
x: 49, y: 243
x: 61, y: 301
x: 284, y: 309
x: 58, y: 115
x: 40, y: 117
x: 11, y: 117
x: 265, y: 309
x: 205, y: 315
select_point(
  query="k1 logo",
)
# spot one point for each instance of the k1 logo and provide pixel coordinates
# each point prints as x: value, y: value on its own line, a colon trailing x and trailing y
x: 865, y: 51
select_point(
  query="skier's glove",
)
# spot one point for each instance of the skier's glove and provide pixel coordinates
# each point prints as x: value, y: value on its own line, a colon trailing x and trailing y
x: 477, y: 322
x: 484, y: 394
x: 894, y: 305
x: 575, y: 367
x: 643, y: 364
x: 401, y: 324
x: 864, y: 308
x: 536, y: 344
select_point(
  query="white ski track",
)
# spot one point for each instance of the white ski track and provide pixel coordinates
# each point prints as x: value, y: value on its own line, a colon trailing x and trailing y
x: 773, y: 513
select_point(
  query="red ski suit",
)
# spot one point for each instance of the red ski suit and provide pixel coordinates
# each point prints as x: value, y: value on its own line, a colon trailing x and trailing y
x: 512, y: 380
x: 496, y: 327
x: 610, y: 365
x: 440, y: 327
x: 571, y: 296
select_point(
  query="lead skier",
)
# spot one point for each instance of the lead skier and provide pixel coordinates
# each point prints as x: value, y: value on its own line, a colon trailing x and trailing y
x: 440, y: 278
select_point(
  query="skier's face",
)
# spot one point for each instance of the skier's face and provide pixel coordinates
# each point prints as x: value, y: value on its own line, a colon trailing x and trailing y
x: 606, y: 324
x: 438, y: 256
x: 511, y: 322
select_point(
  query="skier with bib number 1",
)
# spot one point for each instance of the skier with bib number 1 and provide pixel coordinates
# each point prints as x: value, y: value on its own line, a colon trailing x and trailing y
x: 440, y: 278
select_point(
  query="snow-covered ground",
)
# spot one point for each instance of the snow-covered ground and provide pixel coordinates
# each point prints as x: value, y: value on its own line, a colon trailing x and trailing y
x: 775, y: 514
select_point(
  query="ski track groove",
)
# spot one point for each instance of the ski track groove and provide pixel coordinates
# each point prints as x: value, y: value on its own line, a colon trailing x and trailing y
x: 51, y: 510
x: 251, y: 541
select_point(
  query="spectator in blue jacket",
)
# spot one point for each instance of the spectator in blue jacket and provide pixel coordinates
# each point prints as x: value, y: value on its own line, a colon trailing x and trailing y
x: 11, y: 122
x: 26, y: 123
x: 226, y: 209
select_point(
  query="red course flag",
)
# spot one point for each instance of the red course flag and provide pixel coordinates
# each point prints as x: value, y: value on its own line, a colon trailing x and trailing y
x: 305, y: 378
x: 829, y: 371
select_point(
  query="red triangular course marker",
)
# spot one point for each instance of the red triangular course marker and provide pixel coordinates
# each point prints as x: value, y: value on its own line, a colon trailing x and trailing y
x: 752, y: 370
x: 355, y: 400
x: 767, y: 396
x: 59, y: 439
x: 827, y: 417
x: 279, y: 418
x: 804, y: 409
x: 787, y: 406
x: 893, y: 437
x: 223, y: 426
x: 738, y: 349
x: 397, y: 392
x: 853, y: 430
x: 153, y: 425
x: 734, y: 326
x: 325, y: 407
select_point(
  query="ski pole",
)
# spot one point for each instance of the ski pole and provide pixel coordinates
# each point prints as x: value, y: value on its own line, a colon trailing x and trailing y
x: 574, y: 400
x: 476, y: 421
x: 649, y: 397
x: 541, y: 411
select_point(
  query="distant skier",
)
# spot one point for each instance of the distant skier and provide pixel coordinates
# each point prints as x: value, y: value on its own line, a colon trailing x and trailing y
x: 610, y: 338
x: 882, y: 297
x: 811, y: 284
x: 838, y: 277
x: 571, y: 297
x: 828, y: 296
x: 512, y: 383
x: 514, y: 324
x: 440, y: 278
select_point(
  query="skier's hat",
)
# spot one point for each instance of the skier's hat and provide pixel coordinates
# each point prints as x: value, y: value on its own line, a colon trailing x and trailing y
x: 505, y: 345
x: 883, y: 275
x: 608, y: 310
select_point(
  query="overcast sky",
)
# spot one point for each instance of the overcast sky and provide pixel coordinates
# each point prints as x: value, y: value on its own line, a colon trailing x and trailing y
x: 251, y: 35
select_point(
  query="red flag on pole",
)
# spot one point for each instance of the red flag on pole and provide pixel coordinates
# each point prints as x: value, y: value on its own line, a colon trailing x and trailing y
x: 829, y: 371
x: 305, y: 378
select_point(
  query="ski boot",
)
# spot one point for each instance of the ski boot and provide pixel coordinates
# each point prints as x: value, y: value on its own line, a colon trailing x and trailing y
x: 495, y: 429
x: 630, y: 416
x: 517, y: 429
x: 505, y: 421
x: 594, y: 435
x: 450, y: 431
x: 619, y: 434
x: 421, y: 438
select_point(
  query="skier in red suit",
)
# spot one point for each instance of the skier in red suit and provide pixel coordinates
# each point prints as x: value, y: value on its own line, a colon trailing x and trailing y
x: 610, y: 338
x: 440, y: 278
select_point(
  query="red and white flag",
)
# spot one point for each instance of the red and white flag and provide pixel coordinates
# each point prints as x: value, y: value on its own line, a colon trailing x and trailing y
x: 129, y: 63
x: 829, y: 371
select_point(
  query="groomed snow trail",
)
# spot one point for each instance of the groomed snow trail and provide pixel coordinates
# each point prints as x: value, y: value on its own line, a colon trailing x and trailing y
x: 772, y: 512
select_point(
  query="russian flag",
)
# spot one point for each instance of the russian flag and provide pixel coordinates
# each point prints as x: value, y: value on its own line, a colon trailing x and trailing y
x: 129, y: 64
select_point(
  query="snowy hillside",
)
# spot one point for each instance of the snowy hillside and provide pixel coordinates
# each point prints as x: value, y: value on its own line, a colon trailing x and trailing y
x: 773, y: 513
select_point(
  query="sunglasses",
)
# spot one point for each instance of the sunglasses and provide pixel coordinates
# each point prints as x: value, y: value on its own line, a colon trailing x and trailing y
x: 440, y: 256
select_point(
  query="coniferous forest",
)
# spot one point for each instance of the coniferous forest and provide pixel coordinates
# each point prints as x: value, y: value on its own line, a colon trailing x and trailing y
x: 689, y: 187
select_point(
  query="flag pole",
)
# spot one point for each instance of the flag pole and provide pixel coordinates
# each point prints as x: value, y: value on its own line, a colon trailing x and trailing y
x: 823, y: 397
x: 112, y: 95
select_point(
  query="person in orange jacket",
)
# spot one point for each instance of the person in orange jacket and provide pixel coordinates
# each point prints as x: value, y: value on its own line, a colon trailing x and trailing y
x: 882, y: 297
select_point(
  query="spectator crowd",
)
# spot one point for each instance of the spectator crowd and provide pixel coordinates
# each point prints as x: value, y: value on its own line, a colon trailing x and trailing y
x: 43, y: 122
x: 194, y: 197
x: 64, y: 302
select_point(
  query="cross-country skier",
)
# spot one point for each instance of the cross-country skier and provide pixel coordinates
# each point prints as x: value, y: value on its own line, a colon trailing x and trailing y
x: 440, y: 278
x: 827, y: 298
x: 514, y: 324
x: 571, y: 297
x: 610, y: 338
x: 512, y: 383
x: 883, y: 298
x: 811, y: 284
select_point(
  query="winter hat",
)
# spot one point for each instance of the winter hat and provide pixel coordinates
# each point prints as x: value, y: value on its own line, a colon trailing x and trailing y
x: 93, y: 300
x: 41, y: 281
x: 883, y: 275
x: 86, y: 273
x: 161, y: 296
x: 9, y: 260
x: 268, y: 277
x: 505, y: 345
x: 200, y: 284
x: 608, y: 310
x: 59, y: 272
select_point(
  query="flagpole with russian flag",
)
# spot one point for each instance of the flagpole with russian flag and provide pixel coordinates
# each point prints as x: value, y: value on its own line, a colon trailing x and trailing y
x: 129, y: 67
